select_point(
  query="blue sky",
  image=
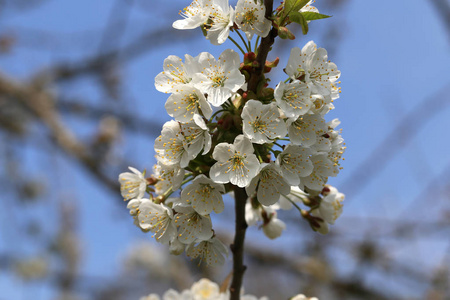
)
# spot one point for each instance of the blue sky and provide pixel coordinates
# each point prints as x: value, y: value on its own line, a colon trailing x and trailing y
x: 393, y: 55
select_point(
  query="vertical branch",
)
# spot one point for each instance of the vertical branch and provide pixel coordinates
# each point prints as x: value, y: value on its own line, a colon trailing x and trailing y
x: 240, y: 197
x: 263, y: 50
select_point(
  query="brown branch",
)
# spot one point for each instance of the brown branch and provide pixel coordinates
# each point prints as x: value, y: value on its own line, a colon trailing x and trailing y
x: 240, y: 197
x: 263, y: 50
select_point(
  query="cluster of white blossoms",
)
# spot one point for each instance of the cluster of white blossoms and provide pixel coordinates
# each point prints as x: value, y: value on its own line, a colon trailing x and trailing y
x: 274, y: 142
x: 205, y: 289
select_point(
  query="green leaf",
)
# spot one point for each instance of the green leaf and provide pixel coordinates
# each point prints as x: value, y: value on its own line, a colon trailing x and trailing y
x: 293, y: 5
x: 299, y: 19
x: 309, y: 16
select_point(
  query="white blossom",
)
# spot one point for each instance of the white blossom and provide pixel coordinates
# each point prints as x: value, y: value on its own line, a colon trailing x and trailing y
x: 295, y: 163
x: 169, y: 176
x: 331, y: 205
x: 269, y: 185
x: 252, y: 215
x: 176, y: 73
x: 196, y: 137
x: 250, y: 18
x: 205, y: 290
x: 323, y: 168
x: 261, y: 122
x: 180, y: 143
x: 192, y: 225
x: 293, y: 98
x: 219, y: 78
x: 311, y: 65
x: 212, y: 252
x: 195, y: 15
x: 132, y: 185
x: 150, y: 297
x: 303, y: 297
x: 309, y: 8
x: 133, y: 206
x: 274, y: 227
x: 176, y: 247
x: 157, y: 218
x: 221, y: 18
x: 204, y: 195
x: 323, y: 228
x: 186, y: 102
x: 169, y: 146
x: 305, y: 129
x: 236, y: 162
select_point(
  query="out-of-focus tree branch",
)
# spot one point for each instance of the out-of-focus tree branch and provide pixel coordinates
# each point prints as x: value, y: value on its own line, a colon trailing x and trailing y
x: 443, y: 10
x: 40, y: 103
x: 399, y: 137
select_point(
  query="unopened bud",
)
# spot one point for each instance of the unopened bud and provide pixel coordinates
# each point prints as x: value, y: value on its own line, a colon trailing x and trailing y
x: 325, y: 191
x: 249, y: 57
x: 285, y: 33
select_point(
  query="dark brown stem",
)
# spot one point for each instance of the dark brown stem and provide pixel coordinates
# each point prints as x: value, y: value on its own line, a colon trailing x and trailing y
x: 263, y: 50
x: 240, y: 197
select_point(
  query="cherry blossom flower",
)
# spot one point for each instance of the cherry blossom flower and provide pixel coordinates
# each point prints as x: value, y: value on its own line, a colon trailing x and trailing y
x: 132, y: 185
x: 236, y: 162
x: 309, y: 8
x: 269, y: 185
x: 176, y: 73
x: 170, y: 146
x: 158, y: 219
x: 221, y: 18
x: 219, y: 78
x: 295, y: 163
x: 261, y: 122
x: 180, y: 143
x: 192, y: 225
x: 169, y: 176
x: 323, y: 168
x: 205, y: 290
x: 195, y: 15
x: 311, y: 65
x: 150, y: 297
x: 204, y: 195
x: 176, y: 247
x: 303, y: 297
x: 331, y: 205
x: 250, y: 18
x: 305, y: 129
x: 274, y: 227
x: 212, y: 252
x: 293, y: 98
x: 186, y: 102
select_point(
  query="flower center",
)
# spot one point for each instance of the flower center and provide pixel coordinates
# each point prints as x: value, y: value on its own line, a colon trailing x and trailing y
x: 218, y: 81
x: 249, y: 17
x: 258, y: 125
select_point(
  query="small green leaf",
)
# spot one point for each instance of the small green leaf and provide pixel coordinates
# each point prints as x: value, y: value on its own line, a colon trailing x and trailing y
x: 293, y: 5
x: 309, y: 16
x: 299, y: 19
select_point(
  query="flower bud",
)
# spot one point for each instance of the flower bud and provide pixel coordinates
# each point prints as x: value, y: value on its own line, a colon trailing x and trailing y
x: 274, y: 228
x: 285, y: 33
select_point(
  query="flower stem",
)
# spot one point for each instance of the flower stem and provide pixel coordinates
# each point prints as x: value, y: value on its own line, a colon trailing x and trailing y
x: 237, y: 45
x: 237, y: 248
x: 244, y: 41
